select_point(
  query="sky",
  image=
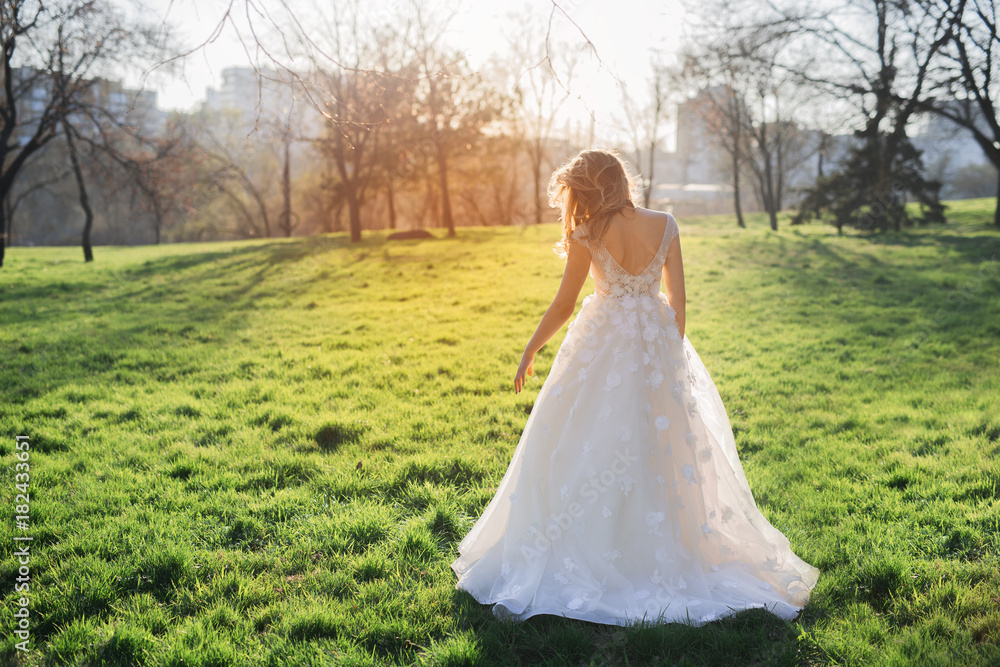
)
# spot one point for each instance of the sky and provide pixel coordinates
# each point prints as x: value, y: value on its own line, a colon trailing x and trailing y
x: 624, y: 33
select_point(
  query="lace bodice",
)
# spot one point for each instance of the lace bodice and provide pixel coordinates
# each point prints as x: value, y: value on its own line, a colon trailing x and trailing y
x: 611, y: 279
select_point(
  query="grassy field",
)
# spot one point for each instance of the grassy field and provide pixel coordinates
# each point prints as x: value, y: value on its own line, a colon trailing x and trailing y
x: 265, y: 453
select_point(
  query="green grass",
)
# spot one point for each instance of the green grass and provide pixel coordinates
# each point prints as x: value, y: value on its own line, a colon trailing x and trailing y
x: 266, y: 452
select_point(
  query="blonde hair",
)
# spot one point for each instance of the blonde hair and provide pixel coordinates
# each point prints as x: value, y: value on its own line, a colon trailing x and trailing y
x: 590, y: 188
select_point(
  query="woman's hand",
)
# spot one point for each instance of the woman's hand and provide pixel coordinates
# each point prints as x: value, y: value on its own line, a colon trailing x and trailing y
x: 526, y: 368
x: 559, y: 311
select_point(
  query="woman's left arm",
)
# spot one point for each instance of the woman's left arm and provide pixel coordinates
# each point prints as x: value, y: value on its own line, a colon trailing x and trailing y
x: 559, y: 311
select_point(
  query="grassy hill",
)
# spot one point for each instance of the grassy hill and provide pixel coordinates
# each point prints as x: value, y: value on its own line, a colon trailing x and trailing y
x: 266, y: 452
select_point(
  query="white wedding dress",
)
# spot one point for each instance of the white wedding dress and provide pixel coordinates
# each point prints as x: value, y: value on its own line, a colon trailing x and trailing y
x: 625, y: 498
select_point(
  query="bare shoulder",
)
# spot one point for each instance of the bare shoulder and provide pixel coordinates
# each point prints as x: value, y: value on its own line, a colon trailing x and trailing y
x: 652, y: 214
x: 663, y: 215
x: 648, y: 217
x: 667, y: 220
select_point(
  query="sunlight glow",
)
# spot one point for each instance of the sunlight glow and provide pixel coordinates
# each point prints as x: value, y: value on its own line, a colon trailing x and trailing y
x: 625, y: 35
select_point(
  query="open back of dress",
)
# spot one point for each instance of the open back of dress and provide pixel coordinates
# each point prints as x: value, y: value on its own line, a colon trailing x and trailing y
x: 611, y: 279
x: 634, y: 244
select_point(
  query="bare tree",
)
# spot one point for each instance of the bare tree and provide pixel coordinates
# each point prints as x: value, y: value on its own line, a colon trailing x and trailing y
x: 158, y: 173
x: 657, y: 116
x: 351, y: 94
x: 20, y: 139
x: 287, y: 220
x: 401, y: 137
x: 238, y: 169
x: 61, y: 48
x: 88, y: 212
x: 647, y: 124
x: 41, y: 175
x: 352, y: 137
x: 753, y: 100
x: 723, y: 110
x: 968, y: 96
x: 776, y: 145
x: 880, y: 60
x: 438, y: 73
x: 492, y: 182
x: 537, y: 93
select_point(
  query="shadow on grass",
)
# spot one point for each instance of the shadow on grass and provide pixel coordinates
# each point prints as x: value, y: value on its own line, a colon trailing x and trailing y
x: 752, y: 637
x: 87, y: 321
x: 171, y: 302
x: 818, y: 268
x: 93, y: 320
x: 970, y: 247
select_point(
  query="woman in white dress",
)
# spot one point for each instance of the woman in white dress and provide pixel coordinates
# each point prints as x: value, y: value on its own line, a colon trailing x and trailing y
x: 625, y: 499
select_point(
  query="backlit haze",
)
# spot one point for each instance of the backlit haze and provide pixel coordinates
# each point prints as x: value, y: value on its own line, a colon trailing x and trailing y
x: 625, y: 34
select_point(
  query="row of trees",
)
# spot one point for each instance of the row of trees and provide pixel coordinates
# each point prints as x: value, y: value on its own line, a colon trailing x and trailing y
x: 403, y: 120
x: 870, y: 65
x: 406, y: 126
x: 55, y: 95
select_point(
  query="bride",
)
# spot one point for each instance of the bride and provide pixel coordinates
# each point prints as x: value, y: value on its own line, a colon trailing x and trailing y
x: 625, y: 499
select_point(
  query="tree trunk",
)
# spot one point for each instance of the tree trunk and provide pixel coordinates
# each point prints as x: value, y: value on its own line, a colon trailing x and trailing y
x: 652, y: 161
x: 286, y: 193
x: 391, y: 197
x: 767, y: 193
x: 736, y: 191
x: 429, y: 208
x: 158, y: 216
x: 536, y: 174
x: 3, y: 232
x: 768, y: 185
x: 779, y: 188
x: 8, y: 219
x: 338, y: 224
x: 996, y: 214
x: 445, y: 199
x: 354, y: 209
x: 88, y: 251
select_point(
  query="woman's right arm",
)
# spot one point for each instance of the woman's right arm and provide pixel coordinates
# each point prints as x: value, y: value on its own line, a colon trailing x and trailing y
x: 561, y: 309
x: 673, y: 278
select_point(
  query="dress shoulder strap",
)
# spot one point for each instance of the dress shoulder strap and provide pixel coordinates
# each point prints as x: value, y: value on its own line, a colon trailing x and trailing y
x: 671, y: 231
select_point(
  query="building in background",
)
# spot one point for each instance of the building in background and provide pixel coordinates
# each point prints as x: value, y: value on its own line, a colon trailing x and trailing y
x: 125, y: 106
x: 951, y: 156
x: 42, y: 207
x: 264, y: 98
